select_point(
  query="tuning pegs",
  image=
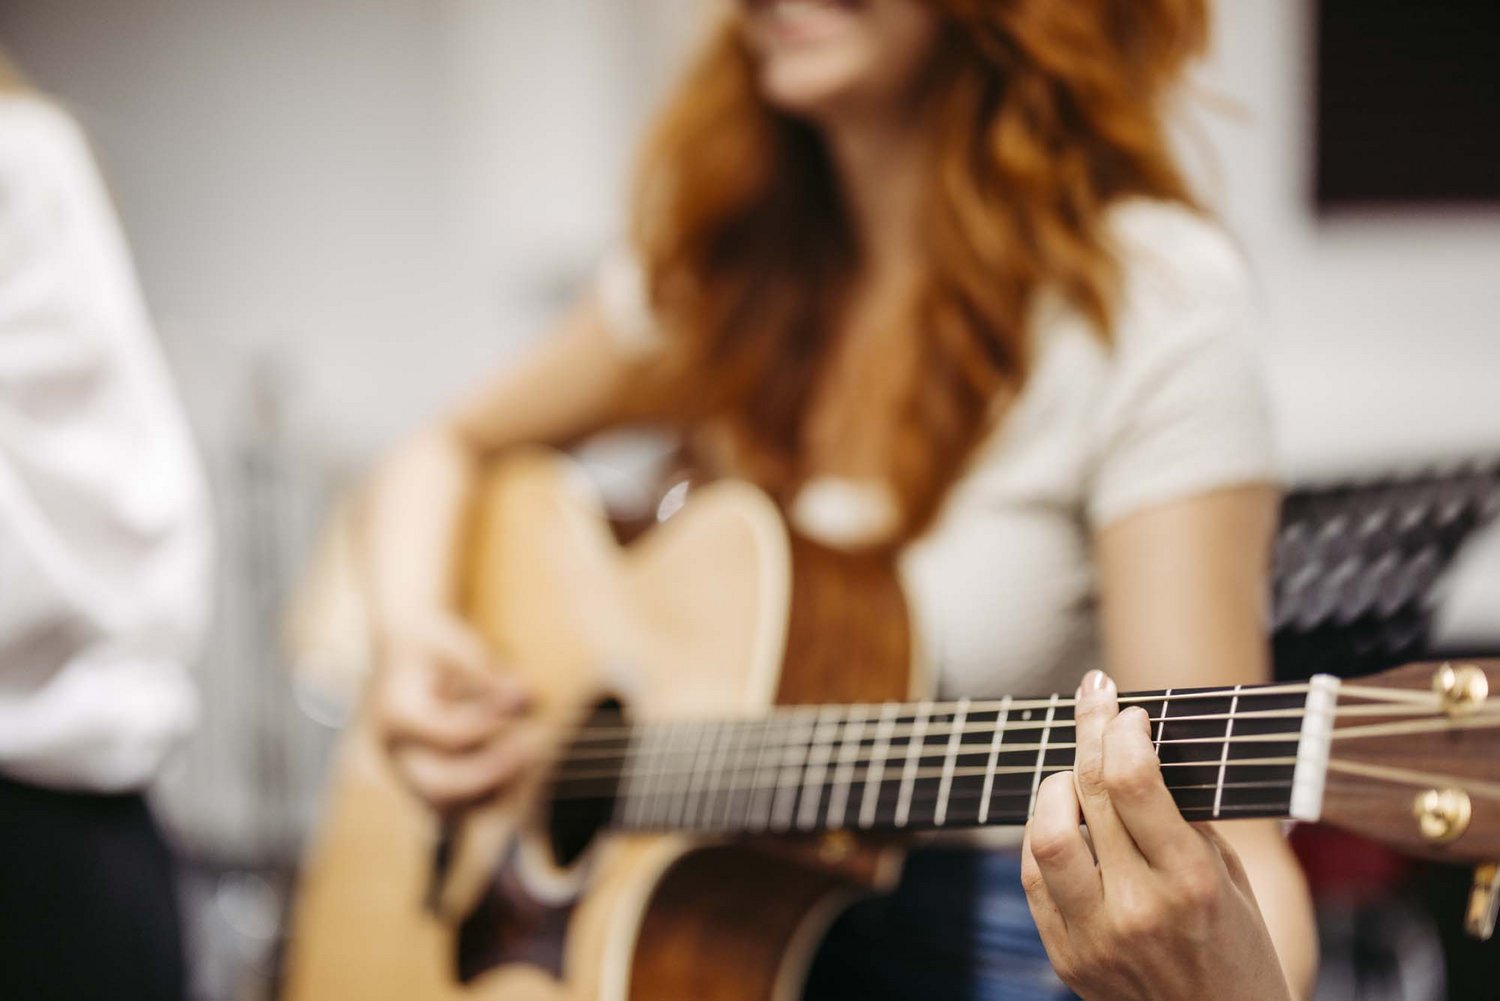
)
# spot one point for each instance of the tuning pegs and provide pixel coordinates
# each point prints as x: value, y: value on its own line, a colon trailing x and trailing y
x: 1460, y: 690
x: 1484, y: 902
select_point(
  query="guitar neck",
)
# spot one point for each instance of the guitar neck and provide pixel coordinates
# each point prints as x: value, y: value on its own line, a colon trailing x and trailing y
x: 1225, y: 753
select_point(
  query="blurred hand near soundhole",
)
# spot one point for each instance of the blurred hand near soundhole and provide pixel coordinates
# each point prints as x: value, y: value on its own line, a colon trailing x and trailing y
x: 450, y: 716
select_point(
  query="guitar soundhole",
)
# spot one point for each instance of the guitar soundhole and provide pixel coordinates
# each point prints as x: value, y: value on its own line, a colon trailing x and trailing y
x: 587, y: 782
x: 523, y: 917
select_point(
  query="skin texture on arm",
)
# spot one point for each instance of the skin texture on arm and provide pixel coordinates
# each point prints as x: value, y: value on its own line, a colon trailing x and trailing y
x: 443, y: 708
x: 1183, y: 588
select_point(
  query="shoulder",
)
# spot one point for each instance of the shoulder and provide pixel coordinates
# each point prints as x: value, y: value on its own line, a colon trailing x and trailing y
x: 1142, y: 222
x: 1182, y: 407
x: 1182, y: 274
x: 37, y: 136
x: 45, y: 168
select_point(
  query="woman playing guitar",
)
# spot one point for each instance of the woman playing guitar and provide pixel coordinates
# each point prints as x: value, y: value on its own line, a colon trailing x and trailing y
x: 927, y: 272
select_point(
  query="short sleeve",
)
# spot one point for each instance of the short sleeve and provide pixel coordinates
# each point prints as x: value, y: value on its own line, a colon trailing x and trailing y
x: 620, y: 288
x: 1183, y: 410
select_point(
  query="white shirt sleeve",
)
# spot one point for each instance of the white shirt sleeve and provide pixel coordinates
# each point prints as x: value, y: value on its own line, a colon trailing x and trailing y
x: 104, y: 529
x: 1183, y: 409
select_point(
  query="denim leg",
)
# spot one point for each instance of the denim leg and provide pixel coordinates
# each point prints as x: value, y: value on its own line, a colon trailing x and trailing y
x: 957, y: 928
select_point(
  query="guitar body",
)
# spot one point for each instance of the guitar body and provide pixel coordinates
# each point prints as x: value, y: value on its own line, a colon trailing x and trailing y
x: 715, y: 613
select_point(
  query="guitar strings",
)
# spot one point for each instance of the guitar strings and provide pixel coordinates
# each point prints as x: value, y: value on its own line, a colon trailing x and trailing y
x: 842, y: 771
x: 1406, y: 776
x: 1193, y: 815
x: 896, y: 761
x: 678, y: 815
x: 1476, y: 721
x: 1416, y: 700
x: 1031, y: 703
x: 944, y: 729
x: 717, y: 809
x: 690, y: 742
x: 703, y: 797
x: 793, y: 753
x: 897, y: 775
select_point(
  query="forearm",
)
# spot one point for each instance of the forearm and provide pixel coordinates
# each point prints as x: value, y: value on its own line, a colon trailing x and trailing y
x: 1281, y: 891
x: 416, y: 510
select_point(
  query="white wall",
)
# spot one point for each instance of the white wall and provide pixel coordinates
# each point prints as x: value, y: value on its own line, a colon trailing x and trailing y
x: 394, y: 194
x: 1384, y: 346
x: 1385, y: 340
x: 389, y: 195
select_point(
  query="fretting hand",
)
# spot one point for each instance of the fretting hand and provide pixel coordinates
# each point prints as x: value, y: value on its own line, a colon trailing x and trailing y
x: 1166, y: 912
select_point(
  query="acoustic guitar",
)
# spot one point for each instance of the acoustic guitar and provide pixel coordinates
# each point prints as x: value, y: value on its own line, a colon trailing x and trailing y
x: 739, y: 747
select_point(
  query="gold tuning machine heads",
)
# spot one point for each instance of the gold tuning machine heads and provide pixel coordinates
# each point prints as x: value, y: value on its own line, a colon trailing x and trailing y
x: 1442, y: 814
x: 1484, y: 902
x: 1461, y: 689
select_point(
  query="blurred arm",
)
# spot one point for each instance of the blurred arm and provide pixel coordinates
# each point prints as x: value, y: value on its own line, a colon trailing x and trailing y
x: 1183, y: 588
x: 576, y: 382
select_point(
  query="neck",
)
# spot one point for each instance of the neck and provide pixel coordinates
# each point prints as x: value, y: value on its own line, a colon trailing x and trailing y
x: 1226, y: 753
x: 882, y: 168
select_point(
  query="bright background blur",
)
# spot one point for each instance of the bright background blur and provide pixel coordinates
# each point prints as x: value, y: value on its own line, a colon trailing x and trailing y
x: 388, y: 195
x: 343, y: 210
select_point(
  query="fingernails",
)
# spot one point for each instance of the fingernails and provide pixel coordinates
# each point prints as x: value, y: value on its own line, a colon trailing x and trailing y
x: 1095, y: 681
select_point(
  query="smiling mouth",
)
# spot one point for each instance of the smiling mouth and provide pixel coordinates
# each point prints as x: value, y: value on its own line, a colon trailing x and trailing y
x: 802, y: 20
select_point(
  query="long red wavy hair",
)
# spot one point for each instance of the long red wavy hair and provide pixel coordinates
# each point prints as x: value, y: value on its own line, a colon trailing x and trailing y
x: 1043, y: 114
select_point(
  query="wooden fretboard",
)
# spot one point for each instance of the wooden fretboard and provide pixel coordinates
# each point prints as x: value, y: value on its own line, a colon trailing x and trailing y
x: 1225, y: 753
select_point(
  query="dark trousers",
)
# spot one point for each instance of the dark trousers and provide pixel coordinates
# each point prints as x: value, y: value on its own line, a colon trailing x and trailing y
x: 87, y: 903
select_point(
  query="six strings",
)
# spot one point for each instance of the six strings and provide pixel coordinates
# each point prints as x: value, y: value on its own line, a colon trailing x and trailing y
x: 808, y: 750
x: 692, y: 774
x: 791, y: 734
x: 602, y: 759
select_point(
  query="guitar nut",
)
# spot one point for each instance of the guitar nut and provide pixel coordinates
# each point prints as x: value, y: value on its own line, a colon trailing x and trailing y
x: 1442, y: 814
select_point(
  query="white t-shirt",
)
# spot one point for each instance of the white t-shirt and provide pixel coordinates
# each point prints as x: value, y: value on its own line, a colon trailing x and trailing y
x: 104, y: 529
x: 1002, y: 585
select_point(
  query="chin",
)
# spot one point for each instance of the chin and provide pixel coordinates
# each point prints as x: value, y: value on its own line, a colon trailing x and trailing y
x: 819, y: 57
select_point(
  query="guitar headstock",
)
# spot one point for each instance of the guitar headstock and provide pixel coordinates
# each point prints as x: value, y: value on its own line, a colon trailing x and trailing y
x: 1415, y: 764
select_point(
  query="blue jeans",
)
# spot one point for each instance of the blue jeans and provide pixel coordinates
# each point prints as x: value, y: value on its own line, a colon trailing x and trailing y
x: 957, y: 928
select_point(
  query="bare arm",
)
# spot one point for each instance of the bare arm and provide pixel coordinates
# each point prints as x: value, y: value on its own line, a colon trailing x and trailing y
x: 1183, y: 589
x: 574, y: 383
x: 441, y: 707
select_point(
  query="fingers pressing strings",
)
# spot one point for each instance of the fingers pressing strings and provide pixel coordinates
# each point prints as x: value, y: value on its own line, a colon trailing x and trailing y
x: 1133, y: 777
x: 1097, y: 707
x: 1055, y: 850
